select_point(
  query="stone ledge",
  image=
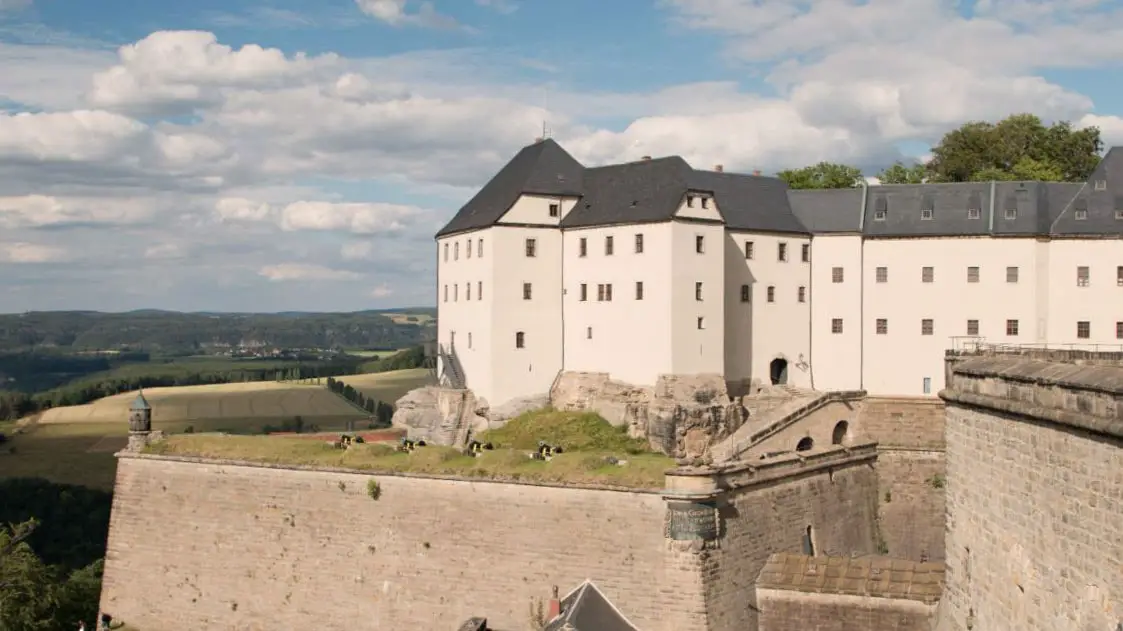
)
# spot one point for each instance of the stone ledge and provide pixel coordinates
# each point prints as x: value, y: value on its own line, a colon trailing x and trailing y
x: 1087, y: 422
x: 382, y: 474
x: 733, y: 476
x: 1093, y: 378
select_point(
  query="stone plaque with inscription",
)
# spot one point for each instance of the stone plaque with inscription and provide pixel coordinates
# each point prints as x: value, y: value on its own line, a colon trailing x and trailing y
x: 690, y: 521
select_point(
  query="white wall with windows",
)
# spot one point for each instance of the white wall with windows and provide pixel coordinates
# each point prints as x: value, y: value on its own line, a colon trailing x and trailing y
x: 465, y: 279
x: 836, y: 312
x: 697, y: 292
x: 1085, y: 284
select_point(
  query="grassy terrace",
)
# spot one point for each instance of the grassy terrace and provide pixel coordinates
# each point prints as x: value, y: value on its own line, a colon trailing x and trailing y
x: 586, y: 438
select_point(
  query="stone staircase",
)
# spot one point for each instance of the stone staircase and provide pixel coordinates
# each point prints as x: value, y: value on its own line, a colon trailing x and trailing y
x: 769, y: 411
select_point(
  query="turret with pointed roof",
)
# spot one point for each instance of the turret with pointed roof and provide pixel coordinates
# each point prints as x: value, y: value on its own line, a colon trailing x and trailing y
x: 140, y: 415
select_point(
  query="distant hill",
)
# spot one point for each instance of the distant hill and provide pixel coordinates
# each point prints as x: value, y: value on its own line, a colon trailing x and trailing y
x: 174, y: 332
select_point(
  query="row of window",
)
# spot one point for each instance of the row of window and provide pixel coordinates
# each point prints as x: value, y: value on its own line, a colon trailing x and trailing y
x: 928, y: 327
x: 637, y: 247
x: 974, y: 209
x: 928, y: 275
x: 468, y: 291
x: 467, y: 249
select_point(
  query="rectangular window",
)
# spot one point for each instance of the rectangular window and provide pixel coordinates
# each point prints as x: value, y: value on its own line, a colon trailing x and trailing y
x: 690, y: 201
x: 771, y: 294
x: 1011, y: 214
x: 468, y: 289
x: 749, y: 250
x: 583, y: 246
x: 836, y: 325
x: 468, y: 248
x: 805, y: 252
x: 698, y: 291
x: 1101, y: 185
x: 639, y: 290
x: 701, y: 320
x: 555, y: 210
x: 974, y: 213
x: 927, y: 385
x: 455, y: 292
x: 600, y: 292
x: 782, y: 252
x: 882, y: 326
x: 1119, y: 276
x: 972, y: 274
x: 1119, y: 330
x: 836, y: 274
x: 479, y: 290
x: 1080, y: 214
x: 608, y: 246
x: 1083, y: 276
x: 1083, y: 329
x: 608, y: 292
x: 972, y: 327
x: 584, y: 292
x: 446, y: 252
x: 1011, y: 274
x: 926, y: 326
x: 926, y: 214
x: 520, y: 340
x: 801, y: 294
x: 456, y: 251
x: 639, y: 244
x: 1012, y: 328
x: 531, y: 248
x: 882, y: 274
x: 480, y: 249
x: 588, y: 332
x: 526, y: 291
x: 699, y: 244
x: 705, y: 202
x: 746, y: 293
x: 469, y: 333
x: 446, y: 293
x: 927, y: 274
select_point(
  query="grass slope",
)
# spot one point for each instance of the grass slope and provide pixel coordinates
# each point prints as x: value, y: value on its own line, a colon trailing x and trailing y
x: 388, y: 387
x: 587, y: 438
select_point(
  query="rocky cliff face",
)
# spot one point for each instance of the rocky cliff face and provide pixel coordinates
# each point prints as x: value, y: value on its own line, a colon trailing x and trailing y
x: 440, y: 416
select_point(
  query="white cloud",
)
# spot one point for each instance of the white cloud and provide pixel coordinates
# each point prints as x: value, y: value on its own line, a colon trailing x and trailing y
x: 22, y: 252
x: 233, y: 209
x: 397, y: 13
x: 382, y: 291
x: 301, y: 271
x: 356, y: 250
x: 37, y: 211
x: 354, y: 217
x: 165, y: 251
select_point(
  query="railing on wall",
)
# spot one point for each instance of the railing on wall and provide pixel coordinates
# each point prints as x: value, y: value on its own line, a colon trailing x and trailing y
x: 974, y: 344
x: 451, y: 371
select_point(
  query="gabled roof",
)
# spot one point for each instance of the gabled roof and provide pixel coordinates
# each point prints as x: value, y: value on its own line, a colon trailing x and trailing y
x: 587, y: 609
x: 750, y: 202
x: 634, y: 192
x: 828, y: 211
x: 543, y: 168
x: 140, y: 403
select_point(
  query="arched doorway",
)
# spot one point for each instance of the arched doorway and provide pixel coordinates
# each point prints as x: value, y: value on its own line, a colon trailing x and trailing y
x: 839, y: 435
x: 805, y: 444
x: 778, y: 371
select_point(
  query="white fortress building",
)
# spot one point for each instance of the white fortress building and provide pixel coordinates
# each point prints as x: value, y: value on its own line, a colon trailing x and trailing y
x: 656, y: 268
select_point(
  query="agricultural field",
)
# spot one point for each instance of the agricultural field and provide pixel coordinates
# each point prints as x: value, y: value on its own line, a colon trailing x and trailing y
x: 410, y: 318
x: 388, y: 387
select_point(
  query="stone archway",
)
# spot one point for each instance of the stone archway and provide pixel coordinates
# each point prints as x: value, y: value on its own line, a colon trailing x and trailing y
x: 778, y: 371
x: 805, y: 444
x: 841, y: 429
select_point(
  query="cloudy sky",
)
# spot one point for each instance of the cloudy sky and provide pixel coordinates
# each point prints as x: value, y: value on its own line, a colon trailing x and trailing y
x: 265, y: 155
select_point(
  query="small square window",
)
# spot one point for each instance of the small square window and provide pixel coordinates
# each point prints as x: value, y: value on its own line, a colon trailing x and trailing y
x: 1101, y: 185
x: 520, y: 340
x: 972, y: 327
x: 639, y: 290
x: 1083, y: 276
x: 836, y: 325
x: 1080, y: 215
x: 1012, y: 328
x: 1119, y: 215
x: 746, y: 293
x: 700, y: 244
x: 801, y: 296
x: 926, y: 215
x: 1011, y: 274
x: 882, y: 274
x: 531, y: 248
x: 1083, y: 329
x: 882, y: 326
x: 927, y: 274
x: 701, y: 323
x: 771, y: 293
x: 782, y: 252
x: 974, y: 213
x: 972, y: 274
x: 555, y: 210
x: 926, y: 326
x: 879, y: 215
x: 1011, y: 214
x: 836, y: 275
x: 748, y: 249
x: 526, y: 291
x: 805, y: 252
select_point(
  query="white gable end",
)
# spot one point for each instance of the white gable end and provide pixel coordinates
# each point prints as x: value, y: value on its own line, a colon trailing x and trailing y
x: 699, y: 206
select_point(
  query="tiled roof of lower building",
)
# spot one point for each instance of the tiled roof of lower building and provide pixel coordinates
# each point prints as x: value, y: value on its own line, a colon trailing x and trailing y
x: 587, y: 609
x: 861, y: 576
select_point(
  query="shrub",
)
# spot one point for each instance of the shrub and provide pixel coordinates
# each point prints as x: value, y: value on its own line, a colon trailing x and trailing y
x: 374, y: 489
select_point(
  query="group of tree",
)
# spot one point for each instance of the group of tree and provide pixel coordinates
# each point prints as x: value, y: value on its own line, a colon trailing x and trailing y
x: 381, y: 411
x: 1019, y: 147
x: 52, y: 542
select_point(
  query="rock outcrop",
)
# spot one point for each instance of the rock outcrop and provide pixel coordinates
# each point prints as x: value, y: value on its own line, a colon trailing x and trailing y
x: 440, y: 416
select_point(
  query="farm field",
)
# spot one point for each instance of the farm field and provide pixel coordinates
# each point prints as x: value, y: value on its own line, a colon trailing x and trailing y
x: 388, y: 387
x: 410, y: 318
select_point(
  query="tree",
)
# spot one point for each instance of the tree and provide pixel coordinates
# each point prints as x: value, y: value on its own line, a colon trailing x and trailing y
x: 1019, y: 147
x: 822, y: 175
x: 39, y: 597
x: 901, y: 174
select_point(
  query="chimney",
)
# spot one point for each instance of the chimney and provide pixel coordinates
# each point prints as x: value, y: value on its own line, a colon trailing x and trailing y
x: 719, y: 168
x: 646, y: 158
x: 538, y: 139
x: 756, y: 171
x: 555, y: 606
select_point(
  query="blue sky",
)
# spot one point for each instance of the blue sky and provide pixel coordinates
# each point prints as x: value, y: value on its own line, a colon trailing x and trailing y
x: 296, y: 155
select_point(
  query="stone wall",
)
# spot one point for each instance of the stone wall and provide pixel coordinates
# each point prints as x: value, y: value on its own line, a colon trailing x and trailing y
x: 1034, y: 491
x: 223, y: 545
x: 784, y: 610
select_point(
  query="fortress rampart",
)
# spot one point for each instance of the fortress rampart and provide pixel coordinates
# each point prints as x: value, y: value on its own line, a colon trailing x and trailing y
x: 1034, y: 491
x: 227, y: 545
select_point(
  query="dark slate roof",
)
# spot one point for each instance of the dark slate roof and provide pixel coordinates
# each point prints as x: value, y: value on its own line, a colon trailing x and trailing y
x: 587, y: 609
x: 140, y: 403
x: 651, y: 190
x: 827, y: 211
x: 543, y: 168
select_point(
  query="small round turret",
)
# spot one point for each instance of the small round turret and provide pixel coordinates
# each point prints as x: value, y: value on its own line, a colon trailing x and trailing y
x: 140, y: 415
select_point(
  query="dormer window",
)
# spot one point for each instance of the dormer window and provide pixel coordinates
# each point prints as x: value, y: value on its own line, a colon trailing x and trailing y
x: 1011, y: 214
x: 974, y: 206
x: 1080, y: 212
x: 927, y: 208
x: 690, y: 201
x: 880, y: 209
x: 926, y: 214
x: 1081, y: 215
x: 555, y: 210
x: 974, y: 213
x: 705, y: 202
x: 1101, y: 185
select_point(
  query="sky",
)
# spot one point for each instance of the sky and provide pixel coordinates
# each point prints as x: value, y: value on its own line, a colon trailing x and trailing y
x: 299, y: 155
